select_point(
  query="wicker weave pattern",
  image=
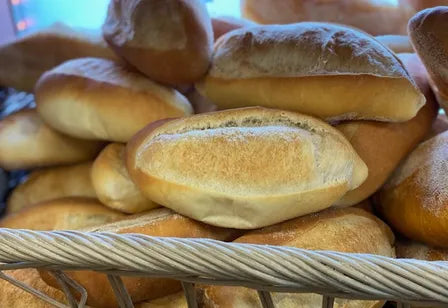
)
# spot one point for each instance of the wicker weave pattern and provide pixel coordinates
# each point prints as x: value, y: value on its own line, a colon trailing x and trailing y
x: 265, y: 268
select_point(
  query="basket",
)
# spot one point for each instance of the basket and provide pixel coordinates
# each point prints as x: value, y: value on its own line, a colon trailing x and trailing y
x: 261, y: 267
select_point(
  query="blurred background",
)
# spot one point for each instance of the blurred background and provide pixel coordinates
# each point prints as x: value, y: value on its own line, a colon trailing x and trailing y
x: 20, y: 17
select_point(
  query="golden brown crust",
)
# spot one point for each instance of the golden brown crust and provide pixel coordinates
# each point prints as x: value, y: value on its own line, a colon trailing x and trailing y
x: 112, y: 184
x: 61, y: 214
x: 334, y: 229
x: 158, y: 222
x: 194, y: 166
x: 287, y: 67
x: 23, y: 61
x: 427, y: 30
x: 12, y: 296
x: 374, y: 17
x: 27, y: 142
x: 414, y: 200
x: 99, y: 99
x: 223, y: 24
x: 397, y: 43
x: 383, y: 145
x: 170, y: 41
x: 52, y: 183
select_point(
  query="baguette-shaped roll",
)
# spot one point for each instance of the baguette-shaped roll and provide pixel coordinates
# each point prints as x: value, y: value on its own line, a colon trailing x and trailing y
x: 158, y: 222
x: 383, y: 145
x: 373, y: 16
x: 170, y: 41
x: 345, y: 230
x: 12, y: 296
x: 397, y: 43
x: 52, y: 183
x: 223, y: 24
x: 429, y: 36
x: 113, y: 185
x: 61, y: 214
x: 99, y: 99
x: 23, y: 61
x: 330, y: 71
x: 415, y: 199
x: 27, y: 142
x: 244, y: 168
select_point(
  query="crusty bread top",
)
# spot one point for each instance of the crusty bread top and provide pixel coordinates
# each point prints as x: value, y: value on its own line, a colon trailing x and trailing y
x: 427, y: 167
x: 302, y: 49
x: 248, y: 152
x: 109, y: 72
x: 329, y: 230
x: 155, y: 24
x: 428, y: 31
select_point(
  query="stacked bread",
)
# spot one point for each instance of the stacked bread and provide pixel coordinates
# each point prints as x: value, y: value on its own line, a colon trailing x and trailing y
x: 313, y: 117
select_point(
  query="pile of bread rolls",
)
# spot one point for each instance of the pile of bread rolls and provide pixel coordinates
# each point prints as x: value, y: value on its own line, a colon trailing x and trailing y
x: 305, y: 131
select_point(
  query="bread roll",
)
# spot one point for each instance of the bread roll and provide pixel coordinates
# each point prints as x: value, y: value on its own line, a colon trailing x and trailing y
x: 373, y: 16
x: 335, y: 229
x: 158, y: 222
x: 397, y: 43
x: 61, y: 214
x: 52, y: 183
x: 27, y: 142
x: 23, y: 61
x: 112, y: 184
x: 100, y: 99
x: 170, y: 41
x: 309, y: 67
x: 424, y: 4
x: 15, y: 297
x: 244, y: 168
x: 428, y: 33
x: 415, y: 199
x: 223, y: 24
x: 383, y: 145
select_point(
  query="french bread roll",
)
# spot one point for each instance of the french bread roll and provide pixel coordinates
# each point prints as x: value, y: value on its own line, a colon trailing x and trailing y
x: 27, y: 142
x: 12, y: 296
x: 158, y: 222
x: 383, y: 145
x: 397, y: 43
x: 334, y: 229
x: 244, y: 168
x: 424, y: 4
x: 373, y: 16
x: 223, y: 24
x: 99, y: 99
x: 170, y: 41
x: 23, y: 61
x: 112, y: 184
x: 61, y: 214
x: 308, y: 67
x: 415, y: 199
x: 176, y: 300
x: 52, y: 183
x: 428, y: 31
